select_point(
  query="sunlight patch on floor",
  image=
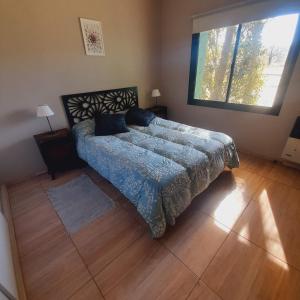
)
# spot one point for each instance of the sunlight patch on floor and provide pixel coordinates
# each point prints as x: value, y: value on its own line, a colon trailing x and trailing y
x: 263, y: 224
x: 230, y: 208
x: 271, y: 234
x: 243, y: 240
x: 245, y: 230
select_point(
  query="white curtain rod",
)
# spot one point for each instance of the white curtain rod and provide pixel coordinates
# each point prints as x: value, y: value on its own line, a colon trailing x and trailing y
x: 231, y: 6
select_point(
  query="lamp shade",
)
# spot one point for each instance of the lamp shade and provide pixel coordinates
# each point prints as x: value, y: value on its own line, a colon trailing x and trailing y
x: 156, y: 93
x: 44, y: 111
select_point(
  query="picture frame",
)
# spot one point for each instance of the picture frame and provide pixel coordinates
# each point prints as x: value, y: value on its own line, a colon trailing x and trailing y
x: 92, y: 37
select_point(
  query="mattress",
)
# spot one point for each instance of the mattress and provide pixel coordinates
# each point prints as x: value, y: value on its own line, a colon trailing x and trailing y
x: 159, y: 168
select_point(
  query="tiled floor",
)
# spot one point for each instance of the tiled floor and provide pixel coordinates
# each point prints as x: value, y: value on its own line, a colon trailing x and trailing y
x: 238, y: 240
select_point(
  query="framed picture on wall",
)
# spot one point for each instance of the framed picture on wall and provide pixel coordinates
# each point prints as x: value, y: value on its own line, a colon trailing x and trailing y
x: 92, y: 37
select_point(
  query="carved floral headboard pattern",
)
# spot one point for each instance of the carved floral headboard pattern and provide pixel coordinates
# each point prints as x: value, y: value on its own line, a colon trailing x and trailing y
x: 84, y: 106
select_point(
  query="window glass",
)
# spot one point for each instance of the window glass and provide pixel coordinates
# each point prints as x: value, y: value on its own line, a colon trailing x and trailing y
x: 246, y: 66
x: 262, y: 52
x: 214, y: 62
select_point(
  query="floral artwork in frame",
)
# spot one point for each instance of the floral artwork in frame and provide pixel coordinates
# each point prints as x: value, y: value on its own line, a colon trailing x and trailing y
x: 92, y: 37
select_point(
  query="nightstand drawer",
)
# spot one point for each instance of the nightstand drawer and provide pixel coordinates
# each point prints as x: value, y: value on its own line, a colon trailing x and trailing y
x: 58, y: 151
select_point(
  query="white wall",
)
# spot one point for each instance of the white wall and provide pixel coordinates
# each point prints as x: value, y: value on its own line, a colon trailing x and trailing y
x: 257, y: 133
x: 42, y: 57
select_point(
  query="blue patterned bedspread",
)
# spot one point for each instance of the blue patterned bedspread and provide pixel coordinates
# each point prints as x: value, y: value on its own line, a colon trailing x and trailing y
x: 159, y: 168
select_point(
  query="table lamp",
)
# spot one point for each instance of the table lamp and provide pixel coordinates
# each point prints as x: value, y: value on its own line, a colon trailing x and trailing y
x: 156, y: 94
x: 45, y: 111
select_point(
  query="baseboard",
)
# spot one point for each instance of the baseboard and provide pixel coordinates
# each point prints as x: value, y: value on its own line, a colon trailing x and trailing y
x: 290, y: 164
x: 40, y: 173
x: 25, y: 178
x: 277, y: 160
x: 14, y: 249
x: 243, y: 150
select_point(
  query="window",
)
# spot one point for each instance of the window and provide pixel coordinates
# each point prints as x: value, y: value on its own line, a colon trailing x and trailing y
x: 246, y: 66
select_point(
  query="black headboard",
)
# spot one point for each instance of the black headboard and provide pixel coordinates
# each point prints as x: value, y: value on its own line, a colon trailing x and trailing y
x: 84, y: 106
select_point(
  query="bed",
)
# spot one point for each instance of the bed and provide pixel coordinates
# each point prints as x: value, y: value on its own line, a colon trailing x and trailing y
x: 159, y: 168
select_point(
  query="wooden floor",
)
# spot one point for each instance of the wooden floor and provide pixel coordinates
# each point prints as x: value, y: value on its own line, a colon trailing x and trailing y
x: 240, y: 239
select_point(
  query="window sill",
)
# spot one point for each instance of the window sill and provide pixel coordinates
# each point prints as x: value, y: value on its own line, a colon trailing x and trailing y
x: 275, y: 110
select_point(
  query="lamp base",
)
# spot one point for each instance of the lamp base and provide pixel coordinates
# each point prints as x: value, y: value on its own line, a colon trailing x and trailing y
x: 51, y: 130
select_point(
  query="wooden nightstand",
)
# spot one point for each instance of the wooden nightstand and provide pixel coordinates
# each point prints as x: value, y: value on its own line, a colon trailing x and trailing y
x: 159, y: 110
x: 58, y: 151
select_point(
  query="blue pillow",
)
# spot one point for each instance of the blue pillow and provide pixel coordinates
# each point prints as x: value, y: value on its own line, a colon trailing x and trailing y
x: 106, y: 124
x: 138, y: 116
